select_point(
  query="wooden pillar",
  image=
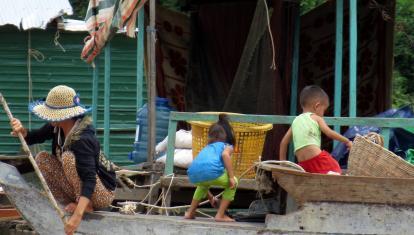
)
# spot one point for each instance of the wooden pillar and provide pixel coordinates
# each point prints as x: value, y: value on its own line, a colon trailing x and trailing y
x: 353, y: 56
x: 151, y: 82
x: 107, y: 103
x: 95, y: 91
x: 295, y: 66
x: 151, y: 34
x: 140, y: 58
x: 338, y: 61
x: 295, y: 75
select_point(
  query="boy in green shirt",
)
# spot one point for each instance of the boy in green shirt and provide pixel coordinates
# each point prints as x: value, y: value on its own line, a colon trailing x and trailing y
x: 306, y: 133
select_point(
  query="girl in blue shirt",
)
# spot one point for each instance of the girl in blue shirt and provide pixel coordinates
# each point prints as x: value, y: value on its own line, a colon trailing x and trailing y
x: 213, y: 166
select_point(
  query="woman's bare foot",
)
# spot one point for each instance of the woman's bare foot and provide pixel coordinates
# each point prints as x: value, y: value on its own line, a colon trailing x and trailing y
x: 189, y: 215
x: 225, y: 218
x: 71, y: 207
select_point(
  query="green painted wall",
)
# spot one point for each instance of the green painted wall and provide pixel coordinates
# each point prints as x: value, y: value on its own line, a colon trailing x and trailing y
x: 60, y: 67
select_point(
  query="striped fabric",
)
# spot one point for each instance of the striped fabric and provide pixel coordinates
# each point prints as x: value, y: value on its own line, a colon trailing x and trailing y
x: 104, y: 18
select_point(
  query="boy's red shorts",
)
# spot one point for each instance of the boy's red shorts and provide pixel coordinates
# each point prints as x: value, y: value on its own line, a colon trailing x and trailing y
x: 322, y: 164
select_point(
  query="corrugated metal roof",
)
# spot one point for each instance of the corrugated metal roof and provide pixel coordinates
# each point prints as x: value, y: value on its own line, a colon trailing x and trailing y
x: 27, y: 14
x: 67, y: 68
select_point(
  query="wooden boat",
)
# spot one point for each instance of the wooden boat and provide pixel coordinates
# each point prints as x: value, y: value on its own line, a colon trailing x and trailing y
x: 36, y: 209
x: 307, y: 187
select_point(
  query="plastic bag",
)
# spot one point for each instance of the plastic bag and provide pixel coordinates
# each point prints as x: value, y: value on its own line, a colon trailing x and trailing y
x: 398, y: 136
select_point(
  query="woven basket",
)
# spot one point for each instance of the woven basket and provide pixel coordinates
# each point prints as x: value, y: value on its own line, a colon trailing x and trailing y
x: 249, y: 137
x: 369, y: 159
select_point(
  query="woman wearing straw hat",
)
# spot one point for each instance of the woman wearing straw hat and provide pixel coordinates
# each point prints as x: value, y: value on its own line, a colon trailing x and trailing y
x: 76, y: 172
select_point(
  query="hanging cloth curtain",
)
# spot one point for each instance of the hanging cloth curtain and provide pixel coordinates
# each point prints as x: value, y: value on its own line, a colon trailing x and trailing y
x: 104, y: 18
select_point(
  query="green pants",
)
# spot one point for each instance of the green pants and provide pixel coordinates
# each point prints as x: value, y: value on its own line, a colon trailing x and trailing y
x: 223, y: 181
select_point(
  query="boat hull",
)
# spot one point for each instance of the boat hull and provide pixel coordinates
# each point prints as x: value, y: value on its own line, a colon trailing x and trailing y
x: 307, y: 187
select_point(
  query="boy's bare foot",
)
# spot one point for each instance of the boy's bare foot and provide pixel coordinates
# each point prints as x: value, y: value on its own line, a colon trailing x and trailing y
x: 189, y: 215
x: 225, y: 218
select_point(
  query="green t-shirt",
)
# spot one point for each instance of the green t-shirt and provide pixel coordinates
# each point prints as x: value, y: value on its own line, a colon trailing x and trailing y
x: 305, y: 131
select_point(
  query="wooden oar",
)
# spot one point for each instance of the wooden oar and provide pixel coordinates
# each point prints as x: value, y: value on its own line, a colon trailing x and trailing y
x: 36, y: 168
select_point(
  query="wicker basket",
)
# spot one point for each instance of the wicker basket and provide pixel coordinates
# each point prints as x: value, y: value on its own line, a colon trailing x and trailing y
x: 369, y: 159
x: 249, y: 137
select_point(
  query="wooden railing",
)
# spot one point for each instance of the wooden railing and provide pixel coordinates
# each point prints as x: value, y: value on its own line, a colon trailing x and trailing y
x: 384, y: 123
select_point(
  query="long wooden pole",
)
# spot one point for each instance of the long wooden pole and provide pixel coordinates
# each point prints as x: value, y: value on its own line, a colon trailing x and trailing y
x: 36, y: 168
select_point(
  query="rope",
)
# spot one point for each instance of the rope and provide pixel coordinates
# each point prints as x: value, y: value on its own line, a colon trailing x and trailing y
x: 273, y: 66
x: 164, y: 195
x: 55, y: 40
x: 39, y: 57
x: 177, y: 208
x: 147, y: 185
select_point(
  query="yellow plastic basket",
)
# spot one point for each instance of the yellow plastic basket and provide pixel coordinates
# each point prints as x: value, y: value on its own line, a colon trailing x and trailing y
x: 249, y: 137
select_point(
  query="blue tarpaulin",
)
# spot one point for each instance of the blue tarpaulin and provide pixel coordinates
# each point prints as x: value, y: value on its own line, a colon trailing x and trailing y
x: 400, y: 139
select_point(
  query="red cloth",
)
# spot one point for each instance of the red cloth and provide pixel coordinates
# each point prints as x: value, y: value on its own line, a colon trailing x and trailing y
x: 322, y: 164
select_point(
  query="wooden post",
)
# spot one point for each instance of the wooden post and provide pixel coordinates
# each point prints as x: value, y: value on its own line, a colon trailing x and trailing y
x: 386, y: 132
x: 140, y: 58
x: 95, y: 91
x: 295, y: 76
x: 151, y: 96
x: 338, y: 61
x: 353, y: 38
x: 169, y: 164
x: 295, y: 66
x: 152, y: 84
x: 107, y: 93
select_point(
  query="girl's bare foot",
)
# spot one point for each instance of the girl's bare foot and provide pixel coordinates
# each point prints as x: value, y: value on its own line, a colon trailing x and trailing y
x: 189, y: 215
x: 214, y: 202
x: 225, y: 218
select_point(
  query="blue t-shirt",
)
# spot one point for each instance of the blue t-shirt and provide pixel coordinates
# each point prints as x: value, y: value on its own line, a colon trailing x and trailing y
x: 208, y: 165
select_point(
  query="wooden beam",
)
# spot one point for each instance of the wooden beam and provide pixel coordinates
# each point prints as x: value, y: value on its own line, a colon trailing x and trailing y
x: 279, y: 119
x: 9, y: 214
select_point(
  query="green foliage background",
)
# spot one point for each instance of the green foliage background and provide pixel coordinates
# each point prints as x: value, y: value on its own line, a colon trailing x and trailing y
x: 403, y: 79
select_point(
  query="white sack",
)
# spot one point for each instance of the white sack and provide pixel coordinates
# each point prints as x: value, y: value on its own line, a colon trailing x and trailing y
x: 183, y: 140
x: 182, y: 158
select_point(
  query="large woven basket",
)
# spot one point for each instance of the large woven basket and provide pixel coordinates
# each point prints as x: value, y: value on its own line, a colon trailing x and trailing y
x: 369, y: 159
x: 249, y: 137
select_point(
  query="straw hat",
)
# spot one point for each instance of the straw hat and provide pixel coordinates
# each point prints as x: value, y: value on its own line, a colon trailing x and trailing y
x: 61, y: 103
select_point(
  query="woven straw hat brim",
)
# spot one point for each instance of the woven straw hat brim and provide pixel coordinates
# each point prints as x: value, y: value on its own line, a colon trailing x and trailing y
x: 56, y: 115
